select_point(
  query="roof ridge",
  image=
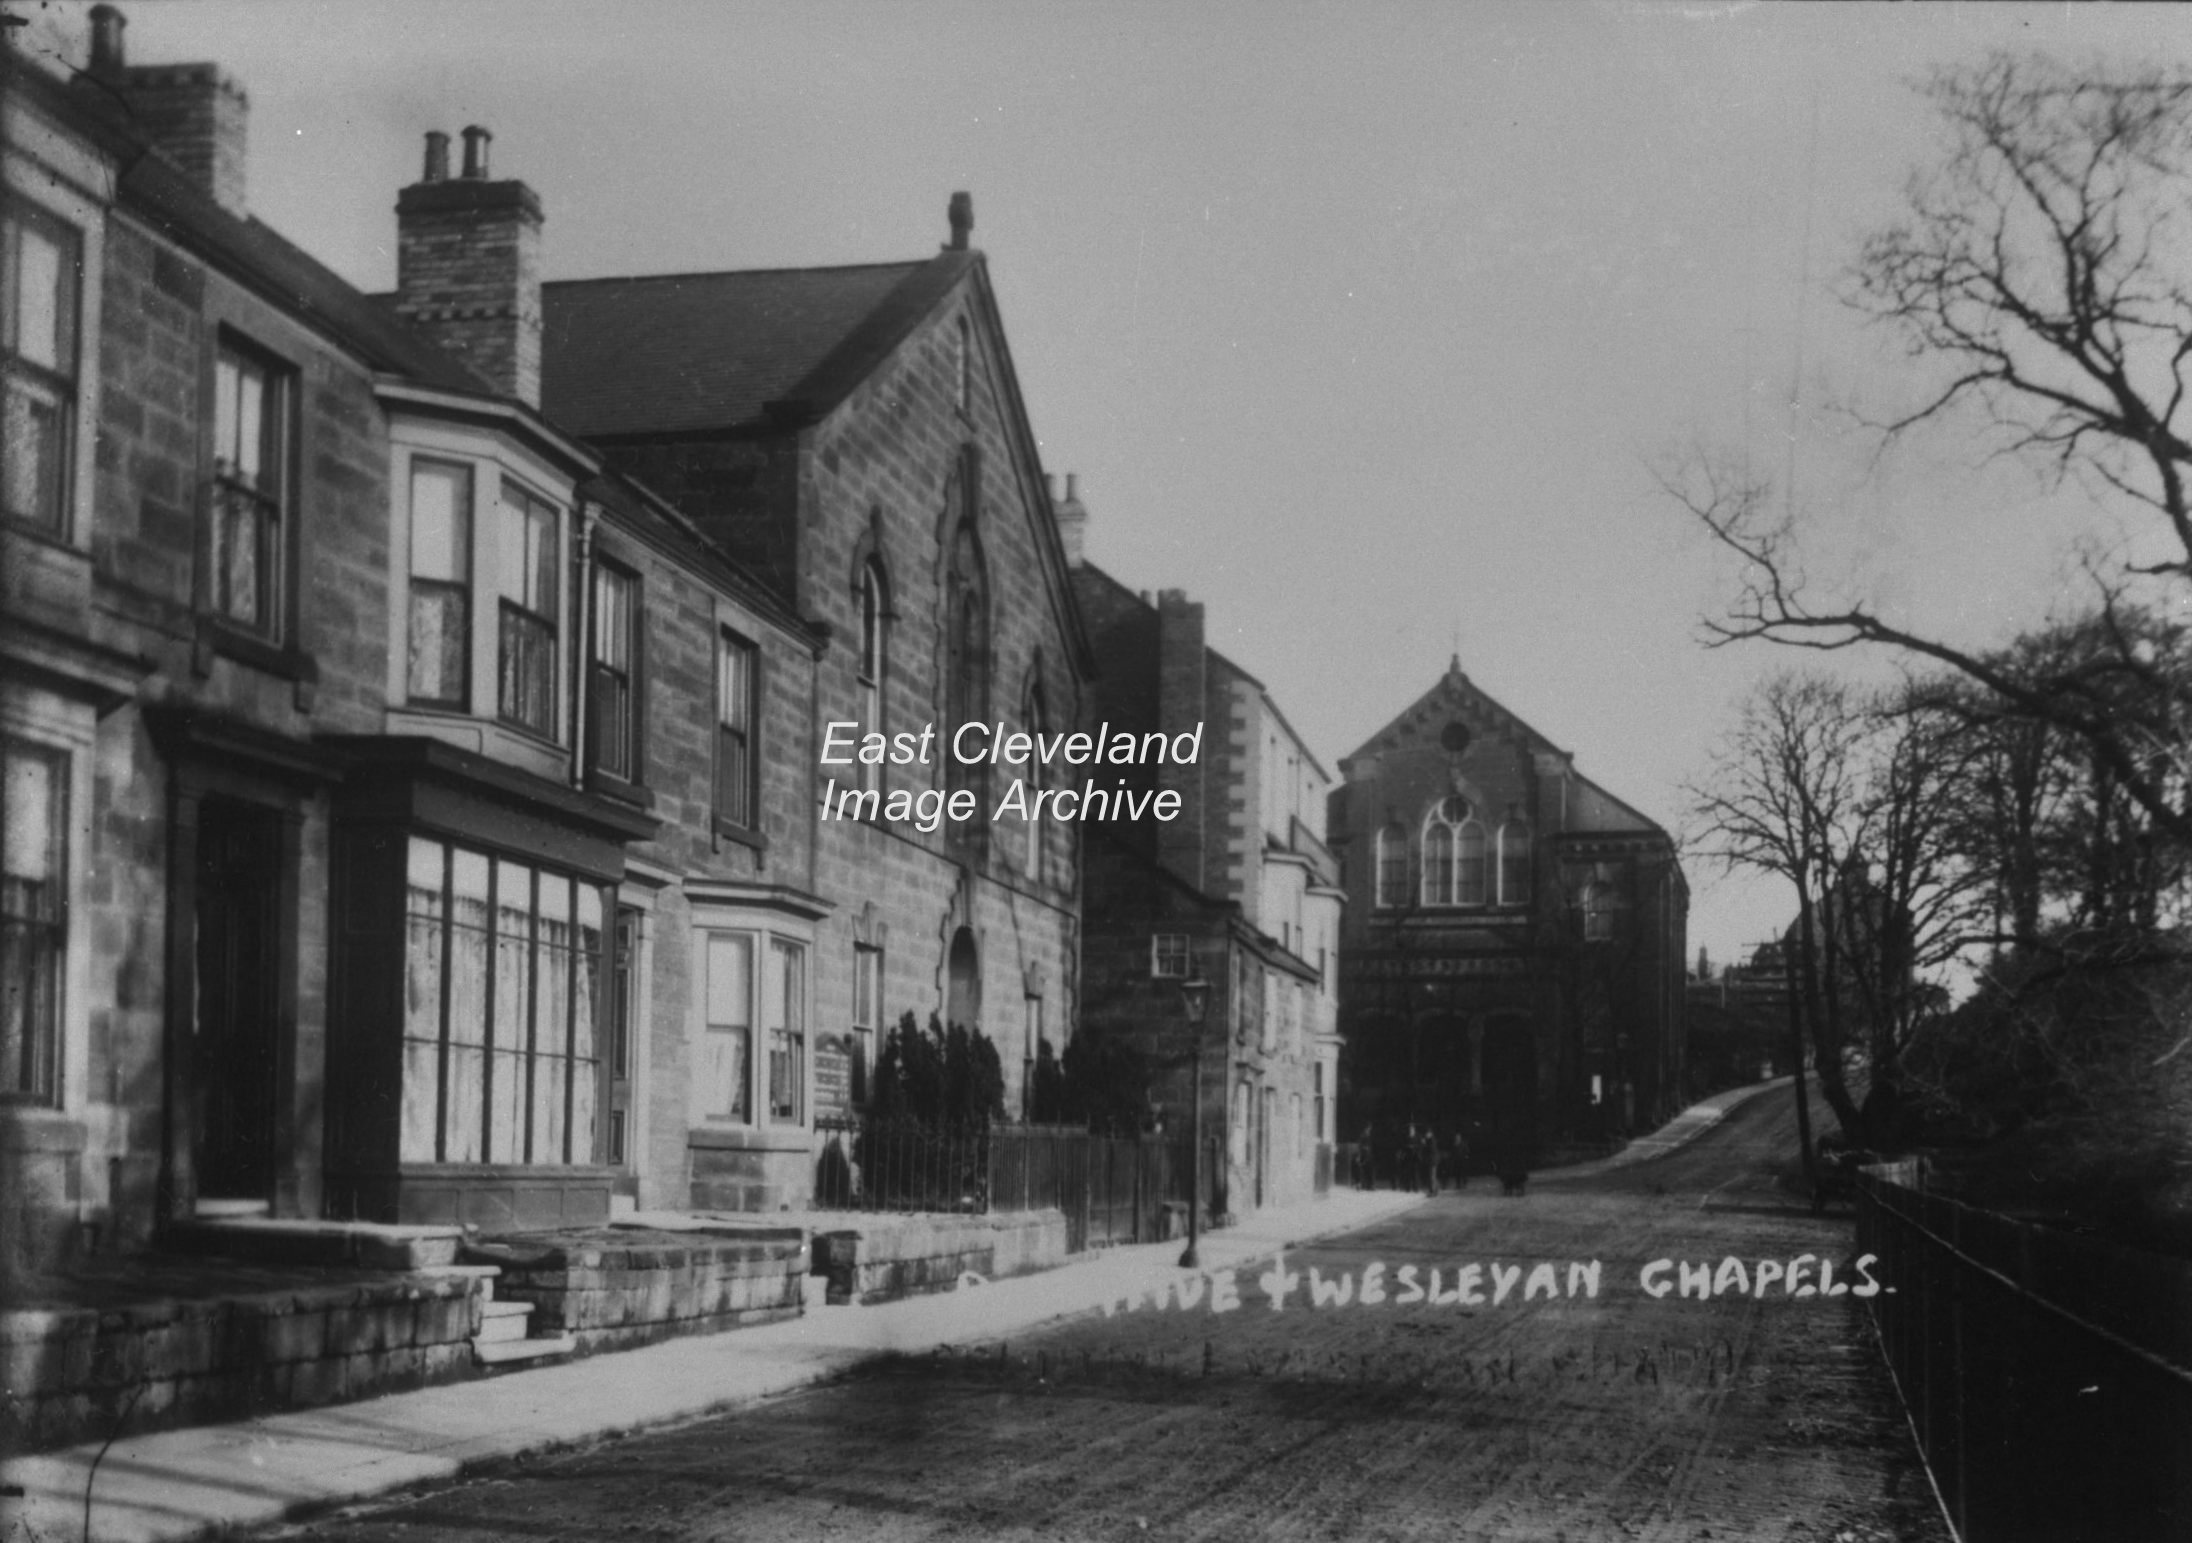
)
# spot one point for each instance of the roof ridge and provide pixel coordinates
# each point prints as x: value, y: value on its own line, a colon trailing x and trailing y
x: 730, y: 273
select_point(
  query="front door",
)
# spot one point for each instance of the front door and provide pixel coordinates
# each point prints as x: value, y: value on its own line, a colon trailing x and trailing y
x: 239, y: 999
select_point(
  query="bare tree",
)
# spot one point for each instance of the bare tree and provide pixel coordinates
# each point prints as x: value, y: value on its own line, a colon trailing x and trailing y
x: 1782, y: 798
x: 1908, y: 900
x: 2043, y: 266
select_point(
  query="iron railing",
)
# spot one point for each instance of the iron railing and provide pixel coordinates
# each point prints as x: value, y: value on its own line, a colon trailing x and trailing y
x: 2047, y: 1376
x: 1111, y: 1189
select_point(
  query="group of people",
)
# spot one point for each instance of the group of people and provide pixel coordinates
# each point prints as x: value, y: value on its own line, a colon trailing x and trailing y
x: 1415, y: 1158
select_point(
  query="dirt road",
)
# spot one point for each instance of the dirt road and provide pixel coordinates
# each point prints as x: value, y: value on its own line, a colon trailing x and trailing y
x: 1454, y: 1407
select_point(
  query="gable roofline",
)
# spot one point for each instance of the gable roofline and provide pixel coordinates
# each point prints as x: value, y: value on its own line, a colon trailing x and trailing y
x: 1450, y: 682
x: 907, y: 308
x: 1057, y: 571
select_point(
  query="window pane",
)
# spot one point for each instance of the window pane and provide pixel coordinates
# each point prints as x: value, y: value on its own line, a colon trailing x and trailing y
x: 585, y: 993
x: 527, y: 553
x: 423, y: 909
x: 1469, y: 881
x: 1438, y: 865
x: 720, y: 1080
x: 551, y: 1016
x: 236, y: 547
x: 44, y: 296
x: 730, y: 980
x: 613, y: 619
x: 32, y: 940
x: 33, y: 451
x: 440, y: 644
x: 441, y: 522
x: 785, y: 1011
x: 528, y: 695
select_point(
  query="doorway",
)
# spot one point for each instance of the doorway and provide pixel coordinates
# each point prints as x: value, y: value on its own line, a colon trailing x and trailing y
x: 238, y: 1018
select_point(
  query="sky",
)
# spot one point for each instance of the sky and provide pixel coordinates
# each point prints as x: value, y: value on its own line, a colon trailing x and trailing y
x: 1366, y: 324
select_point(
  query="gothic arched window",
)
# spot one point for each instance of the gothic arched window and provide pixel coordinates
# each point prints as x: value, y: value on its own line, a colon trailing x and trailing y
x: 1514, y: 863
x: 1453, y: 854
x: 1392, y: 867
x: 874, y: 657
x: 966, y: 650
x: 1037, y: 722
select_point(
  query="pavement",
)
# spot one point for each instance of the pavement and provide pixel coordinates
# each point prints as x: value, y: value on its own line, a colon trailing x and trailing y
x: 1677, y: 1133
x: 177, y: 1485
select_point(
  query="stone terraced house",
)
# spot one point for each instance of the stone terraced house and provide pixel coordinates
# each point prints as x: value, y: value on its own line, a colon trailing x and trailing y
x: 414, y: 705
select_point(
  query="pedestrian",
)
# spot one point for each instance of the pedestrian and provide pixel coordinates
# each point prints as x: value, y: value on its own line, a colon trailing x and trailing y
x: 1514, y: 1167
x: 1427, y: 1157
x: 1457, y: 1160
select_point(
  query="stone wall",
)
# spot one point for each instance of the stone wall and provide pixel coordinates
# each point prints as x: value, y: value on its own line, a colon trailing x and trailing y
x: 612, y: 1291
x: 80, y: 1372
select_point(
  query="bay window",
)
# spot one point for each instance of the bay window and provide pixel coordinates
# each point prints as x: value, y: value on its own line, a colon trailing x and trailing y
x: 503, y: 966
x: 754, y: 989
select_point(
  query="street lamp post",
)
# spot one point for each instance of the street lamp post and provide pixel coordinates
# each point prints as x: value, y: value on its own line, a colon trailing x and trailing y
x: 1195, y: 998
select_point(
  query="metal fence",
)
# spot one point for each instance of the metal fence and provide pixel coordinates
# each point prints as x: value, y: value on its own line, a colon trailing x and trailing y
x: 1111, y: 1189
x: 2048, y: 1377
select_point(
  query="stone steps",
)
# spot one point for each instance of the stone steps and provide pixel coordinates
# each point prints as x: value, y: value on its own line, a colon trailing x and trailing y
x: 511, y: 1352
x: 503, y: 1337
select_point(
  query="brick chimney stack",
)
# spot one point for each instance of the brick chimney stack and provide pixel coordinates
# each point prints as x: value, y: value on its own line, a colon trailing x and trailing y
x: 961, y: 216
x: 1072, y: 517
x: 1183, y: 675
x: 468, y: 265
x: 195, y: 115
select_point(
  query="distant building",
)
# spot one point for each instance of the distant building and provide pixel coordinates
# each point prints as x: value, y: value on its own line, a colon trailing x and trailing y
x: 1739, y: 1021
x: 1238, y: 889
x: 1512, y: 961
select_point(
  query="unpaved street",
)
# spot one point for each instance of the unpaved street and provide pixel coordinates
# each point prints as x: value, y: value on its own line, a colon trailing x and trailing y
x: 1575, y: 1417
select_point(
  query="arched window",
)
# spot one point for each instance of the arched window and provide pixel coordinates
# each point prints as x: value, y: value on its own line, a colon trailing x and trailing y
x: 1438, y: 861
x: 1038, y: 723
x: 1469, y: 865
x: 874, y: 658
x: 966, y: 663
x: 1453, y: 854
x: 1392, y: 867
x: 1514, y: 863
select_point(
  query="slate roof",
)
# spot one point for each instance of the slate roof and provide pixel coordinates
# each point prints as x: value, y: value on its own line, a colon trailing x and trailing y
x: 691, y: 353
x: 155, y: 191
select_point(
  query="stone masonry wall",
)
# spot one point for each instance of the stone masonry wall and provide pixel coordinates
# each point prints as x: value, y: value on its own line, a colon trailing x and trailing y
x: 73, y: 1374
x: 164, y: 314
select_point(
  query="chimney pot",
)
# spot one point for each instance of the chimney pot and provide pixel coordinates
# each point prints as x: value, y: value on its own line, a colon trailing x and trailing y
x: 962, y: 220
x: 108, y: 58
x: 437, y: 157
x: 476, y: 141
